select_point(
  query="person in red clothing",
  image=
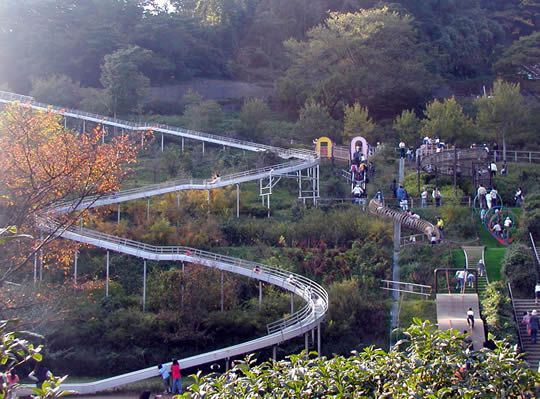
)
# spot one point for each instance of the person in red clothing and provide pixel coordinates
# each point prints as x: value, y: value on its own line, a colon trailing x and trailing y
x: 176, y: 377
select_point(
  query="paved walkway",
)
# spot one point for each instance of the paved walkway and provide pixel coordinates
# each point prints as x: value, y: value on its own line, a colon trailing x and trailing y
x: 452, y: 313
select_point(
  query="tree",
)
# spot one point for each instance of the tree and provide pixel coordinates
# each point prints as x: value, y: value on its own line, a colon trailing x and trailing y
x: 253, y: 113
x: 503, y: 113
x: 427, y: 363
x: 357, y: 122
x: 122, y: 79
x: 42, y: 164
x: 522, y: 52
x: 58, y: 90
x: 203, y: 116
x: 447, y: 121
x: 314, y: 120
x: 407, y: 126
x: 371, y: 56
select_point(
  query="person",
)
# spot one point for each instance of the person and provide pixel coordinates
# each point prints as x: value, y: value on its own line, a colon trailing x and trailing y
x: 409, y: 154
x: 525, y: 321
x: 379, y: 196
x: 11, y: 379
x: 470, y: 279
x: 399, y: 193
x: 493, y: 169
x: 424, y: 197
x: 507, y: 226
x: 533, y: 326
x: 165, y: 374
x: 504, y: 169
x: 537, y: 292
x: 404, y: 203
x: 481, y: 192
x: 518, y: 197
x: 176, y: 377
x: 402, y: 149
x: 488, y: 200
x: 497, y: 229
x: 357, y: 155
x: 460, y: 276
x: 470, y: 317
x: 440, y: 226
x: 40, y: 374
x: 357, y: 193
x: 433, y: 239
x: 437, y: 196
x: 494, y: 196
x: 481, y: 268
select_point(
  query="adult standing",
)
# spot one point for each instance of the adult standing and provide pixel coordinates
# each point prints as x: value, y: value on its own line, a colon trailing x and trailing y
x: 424, y: 197
x: 493, y: 169
x: 518, y: 197
x: 437, y: 196
x: 533, y: 326
x: 537, y: 292
x: 481, y: 192
x: 494, y: 197
x: 526, y: 320
x: 440, y: 226
x: 176, y: 376
x: 481, y: 268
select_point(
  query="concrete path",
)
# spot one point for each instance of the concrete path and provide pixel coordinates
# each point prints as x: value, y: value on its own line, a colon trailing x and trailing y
x: 452, y: 313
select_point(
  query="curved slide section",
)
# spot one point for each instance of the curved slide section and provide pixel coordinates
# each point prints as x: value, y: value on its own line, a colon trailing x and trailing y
x: 300, y: 322
x: 467, y: 161
x: 296, y: 324
x: 378, y: 209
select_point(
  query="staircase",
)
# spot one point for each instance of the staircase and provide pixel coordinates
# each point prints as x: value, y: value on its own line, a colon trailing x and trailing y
x: 532, y: 351
x: 472, y: 256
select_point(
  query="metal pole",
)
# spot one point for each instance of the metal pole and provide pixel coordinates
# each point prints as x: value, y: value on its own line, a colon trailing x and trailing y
x: 41, y: 265
x: 292, y: 303
x: 144, y: 287
x: 118, y: 218
x: 107, y: 277
x: 162, y: 142
x: 35, y: 267
x: 306, y: 343
x: 203, y: 147
x: 148, y: 209
x: 260, y: 294
x: 222, y: 293
x: 178, y: 200
x: 182, y: 145
x: 75, y: 266
x: 237, y: 201
x: 84, y: 125
x: 182, y: 287
x: 274, y: 352
x: 319, y: 340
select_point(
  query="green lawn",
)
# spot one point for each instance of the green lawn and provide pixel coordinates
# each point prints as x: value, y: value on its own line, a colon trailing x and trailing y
x: 493, y: 258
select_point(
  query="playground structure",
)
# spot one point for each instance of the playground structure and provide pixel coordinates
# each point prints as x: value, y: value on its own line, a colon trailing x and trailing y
x: 326, y: 148
x: 468, y: 162
x: 303, y: 166
x: 496, y: 215
x: 428, y: 229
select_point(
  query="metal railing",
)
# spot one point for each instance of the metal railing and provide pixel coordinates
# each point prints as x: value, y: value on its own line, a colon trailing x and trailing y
x: 515, y: 315
x: 517, y: 156
x: 8, y: 97
x: 410, y: 288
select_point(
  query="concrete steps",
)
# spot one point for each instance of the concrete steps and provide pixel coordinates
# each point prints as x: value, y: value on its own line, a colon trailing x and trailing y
x: 472, y: 256
x: 532, y: 350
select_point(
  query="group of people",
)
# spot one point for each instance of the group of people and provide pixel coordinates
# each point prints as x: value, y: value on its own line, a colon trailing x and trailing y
x: 360, y: 171
x: 464, y: 277
x: 531, y: 322
x: 501, y: 228
x: 435, y: 195
x: 172, y: 377
x: 487, y: 198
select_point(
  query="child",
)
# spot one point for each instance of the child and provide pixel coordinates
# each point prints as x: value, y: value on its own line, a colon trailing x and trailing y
x: 164, y: 371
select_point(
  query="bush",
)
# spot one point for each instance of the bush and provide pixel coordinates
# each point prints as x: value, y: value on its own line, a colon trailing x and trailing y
x: 498, y: 313
x: 519, y: 268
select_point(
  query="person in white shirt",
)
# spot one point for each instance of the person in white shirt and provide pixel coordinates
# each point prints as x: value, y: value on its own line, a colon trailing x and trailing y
x: 424, y: 197
x: 470, y: 317
x: 481, y: 192
x: 497, y: 229
x: 537, y: 292
x: 493, y: 169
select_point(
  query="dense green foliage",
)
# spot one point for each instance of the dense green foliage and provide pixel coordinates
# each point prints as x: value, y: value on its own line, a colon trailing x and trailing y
x: 400, y: 373
x: 519, y: 269
x: 498, y: 313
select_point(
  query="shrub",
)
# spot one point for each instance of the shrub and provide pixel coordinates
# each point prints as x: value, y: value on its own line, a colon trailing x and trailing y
x: 519, y: 268
x: 498, y: 313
